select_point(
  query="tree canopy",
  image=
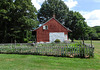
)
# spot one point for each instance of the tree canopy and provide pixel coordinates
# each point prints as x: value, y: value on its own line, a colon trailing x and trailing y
x: 50, y: 7
x: 97, y: 31
x: 76, y: 22
x: 97, y: 28
x: 17, y: 17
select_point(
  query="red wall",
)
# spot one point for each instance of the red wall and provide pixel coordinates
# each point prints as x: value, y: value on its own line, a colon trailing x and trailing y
x: 53, y: 26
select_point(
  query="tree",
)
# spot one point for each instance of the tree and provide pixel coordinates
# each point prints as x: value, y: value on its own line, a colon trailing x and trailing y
x: 97, y: 29
x: 18, y: 18
x: 92, y: 33
x: 5, y: 7
x: 50, y: 7
x: 76, y: 22
x: 98, y: 36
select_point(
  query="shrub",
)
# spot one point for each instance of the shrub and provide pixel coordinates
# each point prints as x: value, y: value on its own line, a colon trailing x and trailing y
x: 57, y: 41
x: 25, y: 40
x: 30, y: 41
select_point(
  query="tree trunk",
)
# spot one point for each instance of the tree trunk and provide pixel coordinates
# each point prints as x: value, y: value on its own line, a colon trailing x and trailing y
x: 72, y: 39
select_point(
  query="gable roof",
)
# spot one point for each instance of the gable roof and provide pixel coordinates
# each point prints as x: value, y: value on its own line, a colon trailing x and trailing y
x: 57, y: 21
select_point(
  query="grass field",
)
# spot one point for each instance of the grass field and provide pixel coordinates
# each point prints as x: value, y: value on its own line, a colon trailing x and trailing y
x: 36, y: 62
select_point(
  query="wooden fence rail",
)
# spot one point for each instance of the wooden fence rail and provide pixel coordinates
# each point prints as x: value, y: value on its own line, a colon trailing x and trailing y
x: 70, y: 51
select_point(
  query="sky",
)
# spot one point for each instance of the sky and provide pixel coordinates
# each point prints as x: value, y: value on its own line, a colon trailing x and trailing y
x: 90, y: 9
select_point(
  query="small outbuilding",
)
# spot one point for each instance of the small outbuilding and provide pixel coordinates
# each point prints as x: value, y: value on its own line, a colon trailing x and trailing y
x: 50, y: 31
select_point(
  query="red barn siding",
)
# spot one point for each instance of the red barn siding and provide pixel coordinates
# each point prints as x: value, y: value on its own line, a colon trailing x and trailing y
x: 53, y: 26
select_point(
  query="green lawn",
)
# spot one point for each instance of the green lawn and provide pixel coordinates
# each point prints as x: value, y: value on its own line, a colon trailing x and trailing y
x: 36, y: 62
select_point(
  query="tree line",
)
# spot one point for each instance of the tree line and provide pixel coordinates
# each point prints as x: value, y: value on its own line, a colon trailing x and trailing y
x: 19, y: 17
x: 97, y: 34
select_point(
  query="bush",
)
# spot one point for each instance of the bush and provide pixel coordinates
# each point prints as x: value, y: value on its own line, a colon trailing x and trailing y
x: 30, y: 41
x: 57, y: 41
x: 25, y: 40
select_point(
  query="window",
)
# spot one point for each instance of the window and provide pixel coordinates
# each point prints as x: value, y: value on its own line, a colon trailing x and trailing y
x: 45, y: 27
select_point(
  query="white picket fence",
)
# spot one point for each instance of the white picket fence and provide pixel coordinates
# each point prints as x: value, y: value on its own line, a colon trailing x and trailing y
x: 71, y: 51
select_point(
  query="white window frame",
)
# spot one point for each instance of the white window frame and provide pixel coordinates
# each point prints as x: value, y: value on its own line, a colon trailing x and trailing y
x: 45, y: 27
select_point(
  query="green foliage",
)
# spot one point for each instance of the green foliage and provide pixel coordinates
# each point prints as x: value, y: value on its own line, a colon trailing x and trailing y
x: 76, y: 22
x: 17, y: 17
x: 57, y: 41
x: 74, y: 44
x: 52, y: 44
x: 97, y: 31
x: 49, y: 7
x: 30, y: 41
x: 98, y: 35
x: 60, y: 44
x: 25, y: 40
x: 97, y: 28
x: 92, y: 33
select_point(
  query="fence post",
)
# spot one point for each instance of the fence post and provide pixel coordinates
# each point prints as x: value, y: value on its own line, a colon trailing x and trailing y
x: 67, y: 50
x: 61, y: 51
x: 57, y: 51
x: 70, y: 50
x: 79, y: 51
x: 74, y: 50
x: 54, y: 50
x: 84, y: 51
x: 93, y: 51
x: 15, y: 43
x: 89, y: 51
x: 39, y: 50
x: 50, y: 51
x: 43, y: 50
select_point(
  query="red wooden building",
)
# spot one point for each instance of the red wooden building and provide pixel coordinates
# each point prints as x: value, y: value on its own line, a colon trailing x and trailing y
x: 50, y: 31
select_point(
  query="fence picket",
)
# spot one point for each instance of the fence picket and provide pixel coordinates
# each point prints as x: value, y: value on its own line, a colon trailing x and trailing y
x: 89, y: 51
x: 84, y: 51
x: 67, y: 50
x: 57, y: 51
x: 74, y: 49
x: 92, y: 51
x: 77, y: 51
